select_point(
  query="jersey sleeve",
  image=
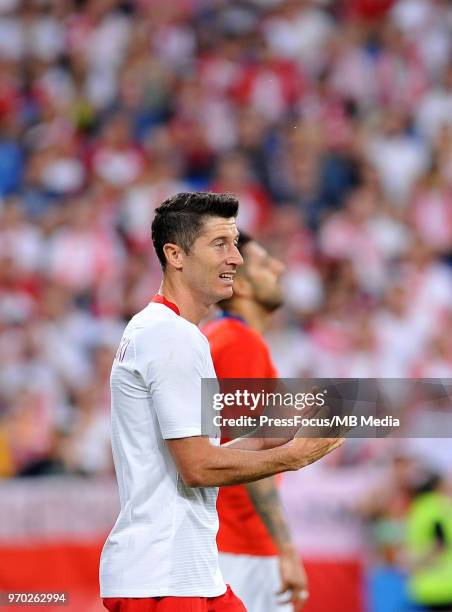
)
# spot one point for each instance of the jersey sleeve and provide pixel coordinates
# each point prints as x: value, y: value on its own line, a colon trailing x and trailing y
x: 173, y: 375
x: 245, y: 356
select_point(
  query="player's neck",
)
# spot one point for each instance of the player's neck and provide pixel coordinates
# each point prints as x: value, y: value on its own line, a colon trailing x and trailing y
x: 189, y: 306
x: 252, y: 313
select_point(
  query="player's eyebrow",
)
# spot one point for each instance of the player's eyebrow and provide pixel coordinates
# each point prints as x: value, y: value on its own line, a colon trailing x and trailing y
x: 224, y: 237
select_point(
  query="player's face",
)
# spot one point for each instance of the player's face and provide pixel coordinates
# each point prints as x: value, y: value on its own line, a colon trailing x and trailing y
x: 264, y: 274
x: 211, y: 264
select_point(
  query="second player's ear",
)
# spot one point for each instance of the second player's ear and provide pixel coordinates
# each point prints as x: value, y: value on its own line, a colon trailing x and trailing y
x: 242, y: 287
x: 174, y: 255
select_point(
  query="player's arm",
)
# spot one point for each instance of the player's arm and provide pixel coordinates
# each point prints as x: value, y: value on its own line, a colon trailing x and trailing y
x: 201, y: 464
x: 253, y: 443
x: 174, y: 380
x: 262, y: 438
x: 265, y: 498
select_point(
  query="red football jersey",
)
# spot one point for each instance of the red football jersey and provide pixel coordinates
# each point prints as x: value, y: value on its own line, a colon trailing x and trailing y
x: 239, y: 352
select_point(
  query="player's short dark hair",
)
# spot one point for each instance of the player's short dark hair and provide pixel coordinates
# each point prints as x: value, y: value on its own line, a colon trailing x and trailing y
x: 179, y: 219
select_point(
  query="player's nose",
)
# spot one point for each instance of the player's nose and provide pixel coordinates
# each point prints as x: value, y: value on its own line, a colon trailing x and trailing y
x: 235, y: 257
x: 278, y: 266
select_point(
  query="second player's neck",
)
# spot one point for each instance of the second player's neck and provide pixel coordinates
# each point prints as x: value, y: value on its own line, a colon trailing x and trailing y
x: 253, y: 314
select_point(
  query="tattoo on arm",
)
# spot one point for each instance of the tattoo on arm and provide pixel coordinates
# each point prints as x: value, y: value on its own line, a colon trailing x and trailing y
x: 265, y: 498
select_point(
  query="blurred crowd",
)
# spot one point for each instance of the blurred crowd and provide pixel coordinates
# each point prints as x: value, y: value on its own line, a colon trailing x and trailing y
x: 331, y: 122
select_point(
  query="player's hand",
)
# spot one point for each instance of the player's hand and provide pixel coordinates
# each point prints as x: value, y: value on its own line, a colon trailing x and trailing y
x: 304, y: 451
x: 323, y: 412
x: 294, y: 582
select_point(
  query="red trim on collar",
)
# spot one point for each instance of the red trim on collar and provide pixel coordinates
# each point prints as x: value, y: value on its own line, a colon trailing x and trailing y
x: 161, y: 299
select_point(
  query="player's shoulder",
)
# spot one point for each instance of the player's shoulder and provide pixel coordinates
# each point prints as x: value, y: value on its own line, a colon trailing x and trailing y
x: 158, y: 325
x: 239, y: 351
x: 233, y: 330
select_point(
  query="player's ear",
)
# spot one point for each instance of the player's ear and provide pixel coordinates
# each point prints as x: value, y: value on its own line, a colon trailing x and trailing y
x: 242, y: 287
x: 174, y: 255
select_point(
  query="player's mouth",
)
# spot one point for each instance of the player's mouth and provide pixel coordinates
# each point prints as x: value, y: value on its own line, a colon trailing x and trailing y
x: 227, y: 277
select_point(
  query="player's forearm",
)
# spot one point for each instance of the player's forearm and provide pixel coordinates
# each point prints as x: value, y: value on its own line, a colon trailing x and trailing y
x: 224, y: 466
x: 256, y: 444
x: 265, y: 498
x: 202, y: 464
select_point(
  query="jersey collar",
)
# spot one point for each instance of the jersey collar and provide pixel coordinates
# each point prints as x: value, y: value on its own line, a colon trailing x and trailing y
x: 224, y: 314
x: 161, y: 299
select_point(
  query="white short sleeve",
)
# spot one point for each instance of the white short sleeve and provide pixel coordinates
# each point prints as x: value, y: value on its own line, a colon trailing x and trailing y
x: 172, y: 361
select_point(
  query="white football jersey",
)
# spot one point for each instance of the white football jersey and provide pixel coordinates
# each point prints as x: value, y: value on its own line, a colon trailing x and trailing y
x: 164, y: 540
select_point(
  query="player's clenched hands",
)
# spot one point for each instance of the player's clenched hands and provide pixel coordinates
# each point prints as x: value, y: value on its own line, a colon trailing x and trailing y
x: 294, y: 582
x: 304, y: 451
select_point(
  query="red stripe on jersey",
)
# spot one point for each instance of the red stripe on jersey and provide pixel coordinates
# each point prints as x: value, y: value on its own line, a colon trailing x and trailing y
x: 161, y: 299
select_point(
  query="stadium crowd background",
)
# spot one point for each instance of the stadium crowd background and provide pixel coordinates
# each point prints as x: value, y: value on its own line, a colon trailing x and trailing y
x: 331, y: 122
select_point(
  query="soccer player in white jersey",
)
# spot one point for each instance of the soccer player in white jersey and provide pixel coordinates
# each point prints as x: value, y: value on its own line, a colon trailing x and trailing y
x: 161, y: 554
